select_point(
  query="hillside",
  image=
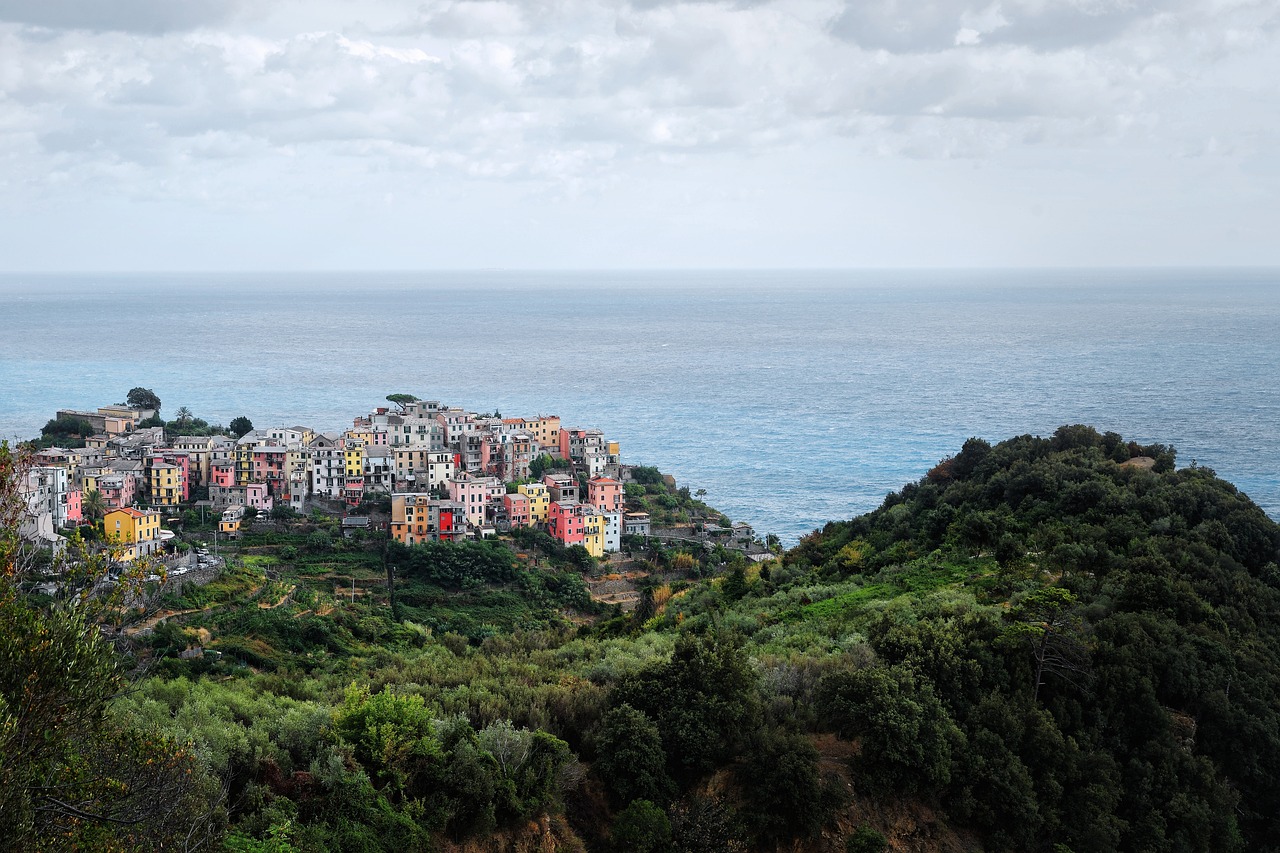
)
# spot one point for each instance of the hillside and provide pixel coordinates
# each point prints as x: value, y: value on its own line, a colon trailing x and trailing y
x: 1050, y: 644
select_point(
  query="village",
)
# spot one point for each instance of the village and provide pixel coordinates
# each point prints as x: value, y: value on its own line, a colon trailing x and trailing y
x: 434, y: 473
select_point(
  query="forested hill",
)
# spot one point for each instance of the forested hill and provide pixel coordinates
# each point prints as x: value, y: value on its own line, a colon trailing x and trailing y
x: 1052, y: 645
x: 1128, y: 697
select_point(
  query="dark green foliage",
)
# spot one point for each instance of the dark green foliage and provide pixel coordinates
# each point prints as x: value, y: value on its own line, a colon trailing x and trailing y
x: 646, y: 475
x: 143, y: 398
x: 630, y: 758
x: 1133, y: 589
x: 703, y: 700
x: 67, y: 426
x: 641, y: 827
x: 865, y: 839
x: 783, y: 794
x: 699, y: 824
x: 455, y: 565
x: 240, y: 426
x: 906, y: 734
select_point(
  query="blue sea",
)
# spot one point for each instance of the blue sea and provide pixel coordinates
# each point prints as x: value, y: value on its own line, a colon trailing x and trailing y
x: 793, y: 398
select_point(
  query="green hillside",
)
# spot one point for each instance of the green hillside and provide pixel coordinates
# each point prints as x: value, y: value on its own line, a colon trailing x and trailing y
x: 1050, y: 644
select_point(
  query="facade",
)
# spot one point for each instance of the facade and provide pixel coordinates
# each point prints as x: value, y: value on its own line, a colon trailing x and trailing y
x: 164, y: 484
x: 252, y: 494
x: 137, y: 532
x: 118, y: 490
x: 232, y: 519
x: 417, y: 518
x: 328, y: 467
x: 605, y: 494
x: 475, y: 494
x: 516, y: 510
x: 636, y: 524
x: 222, y: 474
x: 269, y: 465
x: 539, y: 501
x: 563, y: 487
x: 564, y: 523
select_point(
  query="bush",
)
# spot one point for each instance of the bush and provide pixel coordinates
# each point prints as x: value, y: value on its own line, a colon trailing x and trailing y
x: 641, y: 827
x: 866, y: 840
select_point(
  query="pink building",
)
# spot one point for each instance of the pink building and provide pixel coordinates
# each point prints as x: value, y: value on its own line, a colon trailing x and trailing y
x: 75, y: 514
x: 268, y: 465
x: 565, y: 524
x: 475, y: 493
x: 118, y: 490
x: 256, y: 495
x: 605, y: 494
x: 222, y: 474
x: 517, y: 509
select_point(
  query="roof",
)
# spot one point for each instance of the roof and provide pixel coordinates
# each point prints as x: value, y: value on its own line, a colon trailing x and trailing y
x: 134, y: 513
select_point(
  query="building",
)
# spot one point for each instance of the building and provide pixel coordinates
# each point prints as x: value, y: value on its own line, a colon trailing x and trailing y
x: 250, y: 495
x: 328, y: 466
x: 562, y: 487
x: 165, y: 484
x: 539, y: 501
x: 417, y: 518
x: 605, y: 494
x: 135, y: 531
x: 636, y: 524
x: 231, y: 521
x: 515, y: 509
x: 564, y: 523
x: 476, y: 494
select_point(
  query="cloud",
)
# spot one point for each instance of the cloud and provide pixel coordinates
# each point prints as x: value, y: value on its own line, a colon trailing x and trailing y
x: 581, y: 90
x: 137, y: 16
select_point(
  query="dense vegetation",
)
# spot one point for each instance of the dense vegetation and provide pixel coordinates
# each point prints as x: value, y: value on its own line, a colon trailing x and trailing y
x: 1053, y: 644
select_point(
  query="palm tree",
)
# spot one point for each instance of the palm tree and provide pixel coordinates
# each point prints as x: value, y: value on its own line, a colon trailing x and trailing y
x: 94, y: 507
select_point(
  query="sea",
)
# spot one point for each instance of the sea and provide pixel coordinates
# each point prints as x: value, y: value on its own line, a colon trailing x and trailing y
x: 792, y: 397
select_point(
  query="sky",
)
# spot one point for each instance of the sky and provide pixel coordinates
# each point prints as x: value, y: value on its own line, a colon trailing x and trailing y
x: 286, y: 135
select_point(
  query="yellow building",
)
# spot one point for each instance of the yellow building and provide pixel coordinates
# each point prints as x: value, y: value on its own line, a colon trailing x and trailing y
x: 242, y: 456
x: 546, y: 431
x: 539, y: 501
x: 137, y: 532
x: 354, y: 461
x: 164, y: 484
x: 593, y: 525
x: 229, y: 524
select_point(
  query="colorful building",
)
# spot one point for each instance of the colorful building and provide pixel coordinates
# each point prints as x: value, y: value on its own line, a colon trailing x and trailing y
x: 164, y: 484
x: 232, y: 519
x: 136, y: 532
x: 539, y: 501
x: 516, y: 510
x: 564, y: 523
x: 417, y: 518
x: 476, y: 494
x: 605, y: 494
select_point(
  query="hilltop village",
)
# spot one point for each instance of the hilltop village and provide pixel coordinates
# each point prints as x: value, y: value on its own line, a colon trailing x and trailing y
x: 441, y: 473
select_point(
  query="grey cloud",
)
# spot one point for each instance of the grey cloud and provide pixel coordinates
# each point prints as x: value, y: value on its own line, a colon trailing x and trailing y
x: 139, y: 16
x: 903, y: 26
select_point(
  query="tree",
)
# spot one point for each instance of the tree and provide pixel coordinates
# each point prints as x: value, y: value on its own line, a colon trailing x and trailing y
x: 641, y: 827
x: 401, y: 400
x: 240, y: 426
x: 143, y: 398
x: 71, y: 777
x: 630, y: 758
x: 185, y: 416
x: 94, y: 506
x: 1048, y: 621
